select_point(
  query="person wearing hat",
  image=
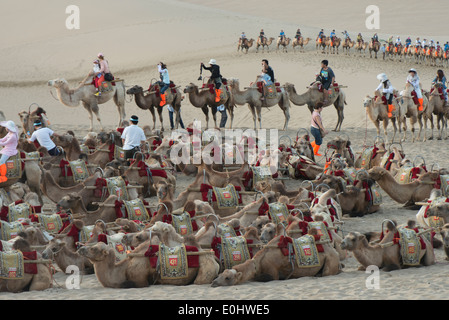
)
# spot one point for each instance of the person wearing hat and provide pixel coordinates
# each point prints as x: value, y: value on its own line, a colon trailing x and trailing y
x: 43, y: 136
x: 132, y: 137
x: 386, y: 89
x: 215, y: 76
x: 163, y: 72
x: 98, y: 76
x: 9, y: 144
x: 413, y: 79
x: 104, y: 70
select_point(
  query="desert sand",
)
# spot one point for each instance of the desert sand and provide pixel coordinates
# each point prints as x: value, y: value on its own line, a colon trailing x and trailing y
x: 135, y: 35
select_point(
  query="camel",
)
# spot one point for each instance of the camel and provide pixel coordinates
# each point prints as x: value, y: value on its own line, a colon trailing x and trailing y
x: 437, y: 105
x: 408, y: 193
x: 252, y: 96
x: 85, y: 93
x: 361, y: 46
x: 444, y: 232
x: 313, y: 95
x: 30, y: 282
x: 322, y: 43
x: 151, y: 101
x: 374, y: 47
x: 270, y: 263
x: 353, y: 202
x: 284, y: 43
x: 343, y: 147
x: 245, y: 45
x: 413, y: 113
x: 74, y: 202
x: 265, y: 43
x: 27, y: 119
x: 301, y: 43
x: 333, y: 45
x: 137, y: 271
x: 347, y: 45
x: 64, y: 257
x: 388, y: 258
x: 378, y: 111
x: 205, y: 98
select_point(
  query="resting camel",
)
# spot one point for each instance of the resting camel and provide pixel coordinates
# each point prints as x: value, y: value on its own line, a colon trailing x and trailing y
x: 284, y: 43
x: 271, y: 264
x: 204, y: 98
x: 301, y: 43
x: 408, y: 193
x: 85, y: 93
x: 137, y: 271
x: 353, y: 202
x: 312, y: 96
x: 387, y: 258
x: 342, y: 147
x: 30, y: 282
x: 64, y: 257
x: 252, y: 96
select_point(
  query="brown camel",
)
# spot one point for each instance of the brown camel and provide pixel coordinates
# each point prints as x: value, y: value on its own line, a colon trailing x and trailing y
x: 271, y: 263
x: 445, y: 235
x: 265, y: 43
x: 312, y: 96
x: 437, y: 105
x: 284, y: 43
x: 252, y: 96
x: 373, y: 47
x: 30, y: 282
x: 347, y: 45
x: 245, y: 45
x: 361, y: 46
x: 27, y: 119
x: 204, y: 98
x: 408, y: 193
x: 388, y: 258
x: 151, y: 101
x: 64, y: 257
x: 301, y: 43
x: 322, y: 44
x: 333, y: 45
x: 137, y: 271
x: 343, y: 147
x: 354, y: 203
x: 85, y: 93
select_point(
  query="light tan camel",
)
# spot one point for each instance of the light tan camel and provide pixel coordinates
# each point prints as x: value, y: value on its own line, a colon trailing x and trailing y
x: 265, y: 43
x: 85, y: 93
x: 27, y: 119
x: 437, y: 105
x: 270, y: 263
x: 282, y: 42
x: 301, y: 43
x: 347, y: 45
x: 252, y: 96
x: 361, y: 46
x: 332, y: 46
x: 408, y: 193
x: 204, y: 99
x: 374, y: 47
x: 413, y: 113
x: 322, y: 44
x: 245, y: 45
x: 388, y: 258
x: 312, y: 96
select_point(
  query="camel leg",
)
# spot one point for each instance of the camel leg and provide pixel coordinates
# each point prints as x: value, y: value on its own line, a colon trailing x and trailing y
x: 420, y: 126
x: 385, y: 125
x: 89, y: 111
x: 393, y: 120
x: 214, y: 115
x: 230, y: 109
x: 159, y: 110
x: 432, y: 126
x: 205, y: 110
x: 253, y: 112
x: 119, y: 100
x: 154, y: 117
x: 412, y: 124
x: 259, y: 116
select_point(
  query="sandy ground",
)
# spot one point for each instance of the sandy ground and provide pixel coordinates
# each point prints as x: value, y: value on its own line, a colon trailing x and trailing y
x: 136, y: 36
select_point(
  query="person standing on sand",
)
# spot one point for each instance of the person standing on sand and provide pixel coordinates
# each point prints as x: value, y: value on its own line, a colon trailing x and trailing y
x: 316, y: 127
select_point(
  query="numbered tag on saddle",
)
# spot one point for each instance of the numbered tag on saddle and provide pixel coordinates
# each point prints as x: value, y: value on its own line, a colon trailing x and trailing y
x: 119, y: 153
x: 350, y: 174
x: 182, y: 223
x: 117, y: 186
x: 234, y: 251
x: 271, y: 91
x: 11, y: 265
x: 52, y: 223
x: 10, y: 230
x: 85, y: 233
x: 136, y: 210
x: 14, y: 167
x: 115, y: 242
x: 306, y: 252
x: 173, y: 262
x: 377, y: 196
x: 226, y: 231
x: 79, y: 170
x: 366, y: 158
x: 260, y: 173
x: 404, y: 174
x: 227, y: 197
x: 410, y: 247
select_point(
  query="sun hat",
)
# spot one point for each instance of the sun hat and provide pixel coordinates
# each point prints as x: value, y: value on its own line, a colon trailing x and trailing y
x: 212, y: 61
x: 10, y: 125
x: 382, y: 77
x: 100, y: 55
x: 412, y: 70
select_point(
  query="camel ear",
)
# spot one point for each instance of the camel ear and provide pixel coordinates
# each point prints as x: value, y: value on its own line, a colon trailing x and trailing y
x: 105, y: 252
x: 238, y: 276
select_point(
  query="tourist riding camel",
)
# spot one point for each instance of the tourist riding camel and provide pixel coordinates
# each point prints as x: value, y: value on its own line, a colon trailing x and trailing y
x: 327, y: 78
x: 215, y: 77
x: 132, y: 137
x: 440, y: 80
x: 413, y: 79
x: 268, y: 77
x: 387, y: 92
x: 43, y: 136
x: 9, y: 144
x: 165, y: 81
x: 104, y: 70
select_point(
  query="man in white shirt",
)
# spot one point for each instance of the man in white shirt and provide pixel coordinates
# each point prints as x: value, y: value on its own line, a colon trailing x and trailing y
x: 43, y: 136
x: 132, y: 137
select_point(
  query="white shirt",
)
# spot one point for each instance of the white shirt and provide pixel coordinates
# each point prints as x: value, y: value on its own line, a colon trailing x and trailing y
x: 388, y: 90
x: 414, y: 81
x: 43, y: 136
x: 133, y: 136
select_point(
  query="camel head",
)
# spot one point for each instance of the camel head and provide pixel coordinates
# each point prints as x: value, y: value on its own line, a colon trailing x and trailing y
x: 58, y: 83
x: 228, y: 277
x: 54, y: 246
x: 98, y: 252
x: 64, y: 140
x: 69, y: 201
x: 352, y: 241
x: 134, y: 90
x: 377, y: 173
x: 136, y: 238
x: 34, y: 236
x: 268, y: 232
x: 21, y: 244
x: 191, y: 87
x: 445, y: 235
x: 166, y: 233
x: 164, y: 189
x: 260, y: 222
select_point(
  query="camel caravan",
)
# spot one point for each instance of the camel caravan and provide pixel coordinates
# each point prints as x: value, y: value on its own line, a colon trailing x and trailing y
x: 115, y: 208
